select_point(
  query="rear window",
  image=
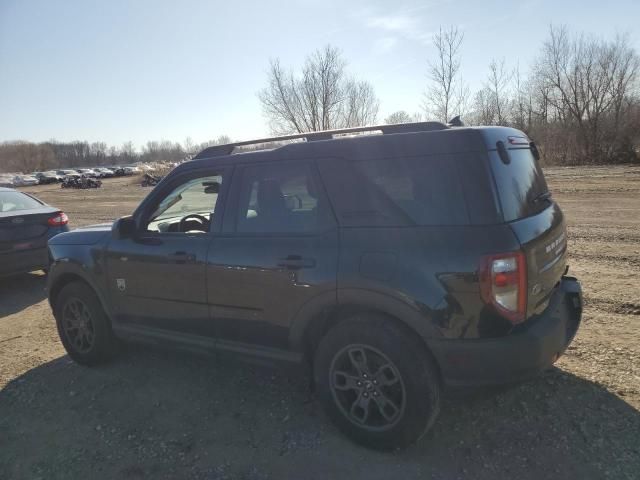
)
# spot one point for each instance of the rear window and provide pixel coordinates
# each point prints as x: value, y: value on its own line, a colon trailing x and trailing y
x: 521, y: 185
x: 16, y: 201
x: 404, y: 191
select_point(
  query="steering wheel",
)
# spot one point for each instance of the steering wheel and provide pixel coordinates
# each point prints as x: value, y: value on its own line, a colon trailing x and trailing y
x: 202, y: 219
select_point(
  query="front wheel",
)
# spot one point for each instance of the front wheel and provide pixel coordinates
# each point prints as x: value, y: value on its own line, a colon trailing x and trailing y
x: 377, y: 382
x: 83, y: 326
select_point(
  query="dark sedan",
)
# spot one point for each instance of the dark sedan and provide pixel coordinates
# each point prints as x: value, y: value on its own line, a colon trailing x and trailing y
x: 26, y: 224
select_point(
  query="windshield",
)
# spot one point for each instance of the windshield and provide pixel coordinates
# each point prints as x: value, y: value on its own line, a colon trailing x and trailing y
x: 16, y: 201
x: 521, y: 184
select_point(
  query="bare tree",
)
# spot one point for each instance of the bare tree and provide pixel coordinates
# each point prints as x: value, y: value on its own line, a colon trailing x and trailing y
x: 399, y: 117
x: 446, y: 94
x: 320, y: 98
x: 484, y: 108
x: 592, y: 86
x: 497, y: 84
x: 521, y: 107
x: 361, y: 104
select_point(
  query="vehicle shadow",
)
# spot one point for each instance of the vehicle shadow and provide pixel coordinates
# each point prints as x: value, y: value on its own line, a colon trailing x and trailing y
x: 18, y: 292
x: 153, y: 414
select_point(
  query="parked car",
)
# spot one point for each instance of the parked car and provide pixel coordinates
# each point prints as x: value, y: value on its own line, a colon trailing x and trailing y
x: 104, y: 172
x: 82, y: 182
x: 131, y: 170
x: 119, y: 171
x: 26, y: 224
x: 6, y: 182
x: 45, y: 178
x: 87, y: 172
x: 68, y: 173
x: 394, y: 265
x: 24, y: 181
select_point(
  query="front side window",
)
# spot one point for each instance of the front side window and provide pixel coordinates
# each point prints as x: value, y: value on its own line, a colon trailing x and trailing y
x: 280, y: 198
x: 188, y: 208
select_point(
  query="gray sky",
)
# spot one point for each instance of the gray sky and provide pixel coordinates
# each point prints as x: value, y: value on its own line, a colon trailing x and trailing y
x: 121, y: 70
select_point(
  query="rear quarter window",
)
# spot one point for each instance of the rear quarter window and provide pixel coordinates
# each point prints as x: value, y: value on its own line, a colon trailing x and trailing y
x: 404, y: 191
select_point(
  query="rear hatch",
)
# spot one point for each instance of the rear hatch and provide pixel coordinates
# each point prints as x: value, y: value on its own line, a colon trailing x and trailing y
x: 534, y: 217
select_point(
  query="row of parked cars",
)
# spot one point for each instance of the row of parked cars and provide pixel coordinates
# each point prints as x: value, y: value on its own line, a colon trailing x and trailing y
x: 58, y: 176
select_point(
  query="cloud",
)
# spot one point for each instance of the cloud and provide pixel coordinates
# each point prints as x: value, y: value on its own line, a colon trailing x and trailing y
x: 385, y: 44
x: 392, y: 23
x: 406, y: 24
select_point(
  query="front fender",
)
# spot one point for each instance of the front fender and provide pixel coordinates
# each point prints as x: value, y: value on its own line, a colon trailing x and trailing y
x: 71, y: 262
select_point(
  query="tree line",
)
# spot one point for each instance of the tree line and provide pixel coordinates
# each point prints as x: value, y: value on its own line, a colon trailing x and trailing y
x: 579, y: 99
x: 21, y: 156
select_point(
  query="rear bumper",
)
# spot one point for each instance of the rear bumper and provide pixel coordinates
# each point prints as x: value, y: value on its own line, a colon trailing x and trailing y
x: 23, y: 261
x: 527, y: 351
x: 35, y: 257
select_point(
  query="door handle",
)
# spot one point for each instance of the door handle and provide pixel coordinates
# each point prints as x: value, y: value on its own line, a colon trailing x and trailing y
x: 296, y: 261
x: 182, y: 257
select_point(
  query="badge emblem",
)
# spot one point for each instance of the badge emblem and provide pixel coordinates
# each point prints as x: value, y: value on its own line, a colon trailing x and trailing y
x: 121, y: 283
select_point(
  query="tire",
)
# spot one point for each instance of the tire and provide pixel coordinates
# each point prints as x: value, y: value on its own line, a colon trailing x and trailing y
x: 83, y: 325
x: 406, y: 379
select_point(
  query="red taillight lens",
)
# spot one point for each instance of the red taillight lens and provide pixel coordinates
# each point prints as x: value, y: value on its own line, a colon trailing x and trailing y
x: 59, y: 220
x: 503, y: 284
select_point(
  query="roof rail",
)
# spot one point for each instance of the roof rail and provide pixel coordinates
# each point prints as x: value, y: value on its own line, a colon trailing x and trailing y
x: 227, y: 149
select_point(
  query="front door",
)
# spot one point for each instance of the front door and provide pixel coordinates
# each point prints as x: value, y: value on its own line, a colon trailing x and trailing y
x: 277, y: 251
x: 157, y: 278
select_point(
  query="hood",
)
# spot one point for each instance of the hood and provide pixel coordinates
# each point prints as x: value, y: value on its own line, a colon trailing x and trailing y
x: 83, y: 236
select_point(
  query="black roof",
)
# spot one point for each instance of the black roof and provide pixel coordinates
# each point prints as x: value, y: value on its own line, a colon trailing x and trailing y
x: 409, y: 139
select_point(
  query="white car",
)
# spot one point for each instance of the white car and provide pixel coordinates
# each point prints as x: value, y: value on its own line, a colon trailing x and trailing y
x: 6, y: 181
x: 88, y: 172
x: 131, y: 170
x: 25, y: 180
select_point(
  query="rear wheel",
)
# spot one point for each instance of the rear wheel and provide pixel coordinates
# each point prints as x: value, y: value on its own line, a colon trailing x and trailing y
x: 377, y: 382
x: 83, y: 326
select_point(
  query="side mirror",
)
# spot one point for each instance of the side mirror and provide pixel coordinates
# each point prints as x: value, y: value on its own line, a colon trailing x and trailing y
x: 123, y: 228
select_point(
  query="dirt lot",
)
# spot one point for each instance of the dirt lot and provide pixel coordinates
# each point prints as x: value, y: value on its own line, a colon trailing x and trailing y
x: 154, y: 414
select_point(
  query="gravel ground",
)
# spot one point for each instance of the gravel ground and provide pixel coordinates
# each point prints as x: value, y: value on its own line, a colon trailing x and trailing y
x: 156, y: 414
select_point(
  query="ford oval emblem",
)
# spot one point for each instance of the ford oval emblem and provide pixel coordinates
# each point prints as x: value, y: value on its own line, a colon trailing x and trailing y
x: 18, y: 220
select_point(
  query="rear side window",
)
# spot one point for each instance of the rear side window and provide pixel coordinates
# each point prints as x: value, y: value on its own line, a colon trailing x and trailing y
x: 426, y: 190
x: 16, y: 201
x: 281, y: 198
x: 521, y: 185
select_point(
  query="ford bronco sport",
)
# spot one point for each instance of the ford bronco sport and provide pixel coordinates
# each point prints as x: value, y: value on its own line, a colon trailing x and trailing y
x: 393, y: 264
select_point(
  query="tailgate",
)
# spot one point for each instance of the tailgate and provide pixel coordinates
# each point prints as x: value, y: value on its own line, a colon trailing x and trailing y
x: 544, y: 242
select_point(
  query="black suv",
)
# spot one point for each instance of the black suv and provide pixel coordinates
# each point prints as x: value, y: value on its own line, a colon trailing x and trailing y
x: 393, y: 264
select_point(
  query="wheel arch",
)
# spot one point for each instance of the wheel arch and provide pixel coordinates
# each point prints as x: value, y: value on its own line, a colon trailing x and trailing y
x: 62, y: 279
x: 321, y: 314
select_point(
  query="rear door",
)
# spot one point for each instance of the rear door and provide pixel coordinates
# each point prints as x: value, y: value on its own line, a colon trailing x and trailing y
x: 536, y: 220
x: 278, y: 250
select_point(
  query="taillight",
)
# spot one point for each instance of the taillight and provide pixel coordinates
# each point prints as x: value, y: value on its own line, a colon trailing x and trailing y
x: 503, y: 284
x: 59, y: 220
